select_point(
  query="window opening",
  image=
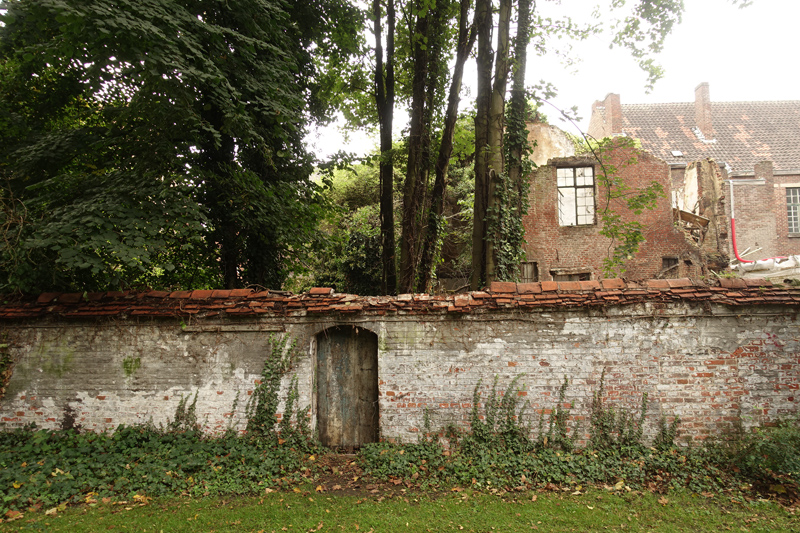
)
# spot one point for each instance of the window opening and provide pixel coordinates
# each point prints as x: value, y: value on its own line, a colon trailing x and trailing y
x: 529, y: 272
x: 793, y: 208
x: 575, y: 196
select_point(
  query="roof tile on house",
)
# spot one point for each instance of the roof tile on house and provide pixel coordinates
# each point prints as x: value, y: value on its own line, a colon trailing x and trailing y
x: 552, y: 295
x: 745, y: 133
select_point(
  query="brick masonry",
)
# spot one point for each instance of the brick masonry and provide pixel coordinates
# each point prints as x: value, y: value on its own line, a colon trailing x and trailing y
x: 556, y: 248
x: 706, y: 354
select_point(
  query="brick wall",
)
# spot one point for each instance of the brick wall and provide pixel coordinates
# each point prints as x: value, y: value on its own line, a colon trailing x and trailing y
x: 574, y: 248
x: 761, y: 215
x: 706, y: 362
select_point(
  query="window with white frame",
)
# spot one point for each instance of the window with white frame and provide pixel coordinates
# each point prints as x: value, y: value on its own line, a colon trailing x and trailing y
x: 793, y: 208
x: 575, y: 196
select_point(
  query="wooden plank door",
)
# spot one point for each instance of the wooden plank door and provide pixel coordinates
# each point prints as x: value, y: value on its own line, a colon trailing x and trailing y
x: 347, y: 387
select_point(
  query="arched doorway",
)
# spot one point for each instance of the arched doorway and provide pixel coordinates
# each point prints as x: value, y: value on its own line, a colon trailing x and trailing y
x: 347, y: 387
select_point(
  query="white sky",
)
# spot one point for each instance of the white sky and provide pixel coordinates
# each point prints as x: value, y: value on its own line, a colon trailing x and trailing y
x: 744, y: 54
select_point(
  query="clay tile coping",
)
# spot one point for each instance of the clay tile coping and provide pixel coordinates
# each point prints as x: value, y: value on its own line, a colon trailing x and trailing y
x: 47, y: 297
x: 321, y: 291
x: 503, y: 286
x: 241, y: 293
x: 732, y: 283
x: 70, y: 298
x: 569, y: 285
x: 757, y: 282
x: 117, y: 294
x: 529, y: 288
x: 589, y: 285
x: 614, y: 283
x: 201, y: 294
x: 549, y: 286
x: 678, y: 283
x: 221, y: 294
x: 157, y: 294
x: 180, y: 294
x: 658, y: 284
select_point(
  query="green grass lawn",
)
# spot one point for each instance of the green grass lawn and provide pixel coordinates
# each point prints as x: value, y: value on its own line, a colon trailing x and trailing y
x: 417, y: 511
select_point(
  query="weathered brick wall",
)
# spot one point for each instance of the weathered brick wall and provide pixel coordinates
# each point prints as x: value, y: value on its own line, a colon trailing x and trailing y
x: 553, y: 246
x: 705, y: 362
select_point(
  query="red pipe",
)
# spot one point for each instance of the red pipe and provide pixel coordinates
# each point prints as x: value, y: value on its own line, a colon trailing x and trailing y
x: 733, y: 241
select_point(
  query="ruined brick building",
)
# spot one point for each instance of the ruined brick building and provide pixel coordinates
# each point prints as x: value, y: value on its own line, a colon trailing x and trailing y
x: 699, y: 153
x: 754, y: 143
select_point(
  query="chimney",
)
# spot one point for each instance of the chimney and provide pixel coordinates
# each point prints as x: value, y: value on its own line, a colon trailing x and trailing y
x: 763, y: 171
x: 702, y: 110
x: 606, y: 118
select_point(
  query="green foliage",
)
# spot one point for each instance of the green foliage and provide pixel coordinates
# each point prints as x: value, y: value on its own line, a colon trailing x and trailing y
x: 185, y: 417
x: 557, y: 436
x: 6, y: 364
x: 767, y: 454
x: 57, y: 467
x: 262, y: 407
x: 612, y: 428
x: 159, y: 143
x: 621, y: 200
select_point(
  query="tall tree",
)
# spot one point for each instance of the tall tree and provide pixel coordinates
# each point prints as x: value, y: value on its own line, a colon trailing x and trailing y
x: 432, y: 232
x: 171, y: 153
x: 384, y: 100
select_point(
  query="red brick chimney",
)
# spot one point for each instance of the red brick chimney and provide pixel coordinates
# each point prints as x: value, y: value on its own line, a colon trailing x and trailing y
x: 702, y: 110
x: 606, y: 118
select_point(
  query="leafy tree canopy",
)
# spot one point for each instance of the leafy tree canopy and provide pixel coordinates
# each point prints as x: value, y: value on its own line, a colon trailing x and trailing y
x: 159, y: 142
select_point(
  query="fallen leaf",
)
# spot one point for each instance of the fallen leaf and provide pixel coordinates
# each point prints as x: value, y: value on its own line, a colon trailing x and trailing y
x: 663, y: 501
x: 52, y: 511
x: 320, y: 488
x: 13, y: 515
x: 533, y: 498
x: 295, y: 489
x: 337, y: 487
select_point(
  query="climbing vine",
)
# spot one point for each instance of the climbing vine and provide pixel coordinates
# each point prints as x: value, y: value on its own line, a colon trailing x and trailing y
x: 504, y: 217
x: 6, y: 365
x: 626, y: 235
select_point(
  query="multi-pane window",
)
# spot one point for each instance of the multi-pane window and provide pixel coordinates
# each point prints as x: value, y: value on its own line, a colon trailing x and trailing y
x: 575, y: 196
x: 793, y: 208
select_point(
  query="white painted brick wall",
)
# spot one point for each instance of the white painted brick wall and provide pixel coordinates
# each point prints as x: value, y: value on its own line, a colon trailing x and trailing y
x: 707, y: 366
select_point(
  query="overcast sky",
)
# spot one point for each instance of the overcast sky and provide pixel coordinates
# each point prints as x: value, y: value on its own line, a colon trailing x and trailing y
x: 744, y: 54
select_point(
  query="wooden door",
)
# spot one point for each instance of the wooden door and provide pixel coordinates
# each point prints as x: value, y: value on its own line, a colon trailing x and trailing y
x: 347, y: 387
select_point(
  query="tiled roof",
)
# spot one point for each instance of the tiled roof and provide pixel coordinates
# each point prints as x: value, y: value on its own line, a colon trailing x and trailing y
x: 745, y: 133
x: 202, y: 304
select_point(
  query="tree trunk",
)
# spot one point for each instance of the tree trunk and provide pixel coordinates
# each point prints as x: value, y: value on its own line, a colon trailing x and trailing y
x: 483, y: 18
x: 384, y: 99
x: 413, y: 190
x: 466, y: 39
x: 518, y: 137
x: 495, y: 161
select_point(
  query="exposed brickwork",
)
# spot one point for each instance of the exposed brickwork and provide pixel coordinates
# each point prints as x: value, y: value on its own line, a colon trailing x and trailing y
x: 576, y: 248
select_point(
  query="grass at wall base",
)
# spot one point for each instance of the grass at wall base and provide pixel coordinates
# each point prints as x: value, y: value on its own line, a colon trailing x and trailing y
x: 47, y: 471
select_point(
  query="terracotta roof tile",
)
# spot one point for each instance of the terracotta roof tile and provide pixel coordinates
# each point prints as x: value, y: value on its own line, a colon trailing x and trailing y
x: 569, y: 286
x: 745, y: 133
x: 549, y: 286
x: 615, y: 283
x: 503, y: 286
x: 180, y: 294
x: 221, y: 294
x: 245, y: 302
x: 321, y: 291
x: 201, y: 294
x: 70, y: 298
x: 47, y: 297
